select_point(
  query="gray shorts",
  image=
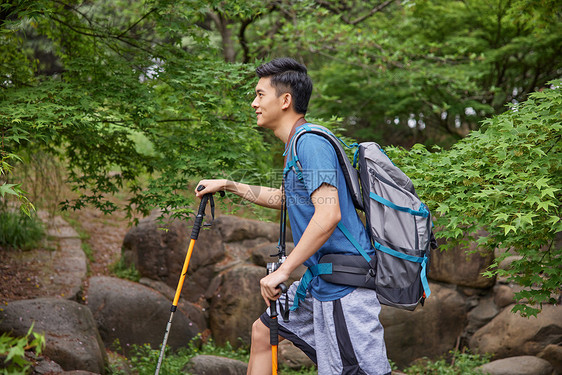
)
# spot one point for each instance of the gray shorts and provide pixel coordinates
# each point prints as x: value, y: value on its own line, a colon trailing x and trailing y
x: 342, y: 336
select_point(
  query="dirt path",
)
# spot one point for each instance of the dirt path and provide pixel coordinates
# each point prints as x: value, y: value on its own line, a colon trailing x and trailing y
x: 36, y: 273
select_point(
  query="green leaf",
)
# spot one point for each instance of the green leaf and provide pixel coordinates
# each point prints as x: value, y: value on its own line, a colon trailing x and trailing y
x: 508, y: 228
x: 6, y: 188
x: 542, y: 183
x: 549, y: 191
x: 545, y: 205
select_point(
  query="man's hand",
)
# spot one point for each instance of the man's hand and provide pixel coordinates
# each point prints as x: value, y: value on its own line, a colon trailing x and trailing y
x: 211, y: 186
x: 269, y: 285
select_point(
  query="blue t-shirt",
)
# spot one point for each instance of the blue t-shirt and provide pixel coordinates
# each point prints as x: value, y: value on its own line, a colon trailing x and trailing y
x: 320, y: 165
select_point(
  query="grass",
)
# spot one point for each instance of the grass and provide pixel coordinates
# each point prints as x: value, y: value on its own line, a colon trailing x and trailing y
x: 124, y: 271
x: 143, y: 359
x: 19, y: 231
x: 459, y: 364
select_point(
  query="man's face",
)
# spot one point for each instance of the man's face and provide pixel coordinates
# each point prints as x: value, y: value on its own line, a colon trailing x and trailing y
x: 267, y: 104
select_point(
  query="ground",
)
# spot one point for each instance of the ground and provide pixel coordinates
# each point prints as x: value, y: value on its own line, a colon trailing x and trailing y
x: 23, y: 273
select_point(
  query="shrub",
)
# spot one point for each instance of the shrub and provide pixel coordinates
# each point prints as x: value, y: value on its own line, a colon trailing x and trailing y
x: 463, y: 364
x: 13, y: 349
x: 20, y: 231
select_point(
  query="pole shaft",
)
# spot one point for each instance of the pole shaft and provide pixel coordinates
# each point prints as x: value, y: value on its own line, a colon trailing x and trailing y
x: 274, y: 360
x: 194, y: 234
x: 183, y: 272
x: 163, y: 349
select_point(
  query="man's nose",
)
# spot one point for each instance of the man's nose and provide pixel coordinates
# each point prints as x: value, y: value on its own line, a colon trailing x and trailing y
x: 255, y: 103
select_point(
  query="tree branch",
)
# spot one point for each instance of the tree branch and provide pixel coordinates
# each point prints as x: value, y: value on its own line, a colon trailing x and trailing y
x: 376, y: 9
x: 92, y: 34
x: 342, y: 8
x: 137, y: 22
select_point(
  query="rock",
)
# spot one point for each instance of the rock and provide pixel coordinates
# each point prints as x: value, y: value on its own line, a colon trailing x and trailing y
x: 42, y: 365
x: 505, y: 264
x: 481, y: 314
x: 194, y: 312
x: 236, y: 304
x: 456, y: 266
x: 523, y: 365
x: 72, y: 339
x: 261, y: 255
x: 136, y: 314
x: 213, y: 365
x: 235, y: 229
x: 503, y: 295
x: 509, y: 334
x: 553, y: 354
x: 430, y: 330
x: 160, y: 255
x: 292, y: 357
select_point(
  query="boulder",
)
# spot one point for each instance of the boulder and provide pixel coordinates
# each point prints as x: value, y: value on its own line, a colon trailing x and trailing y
x: 72, y: 339
x: 503, y: 295
x: 213, y: 365
x: 292, y: 357
x: 457, y: 266
x: 236, y: 304
x: 429, y: 331
x: 158, y: 251
x: 42, y: 365
x: 159, y: 254
x: 195, y: 313
x: 553, y: 354
x: 523, y: 365
x: 484, y: 312
x: 235, y: 229
x: 260, y: 255
x: 136, y: 314
x: 509, y: 334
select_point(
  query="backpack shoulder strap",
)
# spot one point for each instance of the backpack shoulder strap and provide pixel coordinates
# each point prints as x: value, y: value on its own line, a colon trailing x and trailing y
x: 350, y: 173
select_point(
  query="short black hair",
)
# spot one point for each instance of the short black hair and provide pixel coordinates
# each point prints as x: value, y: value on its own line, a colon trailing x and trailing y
x: 288, y: 75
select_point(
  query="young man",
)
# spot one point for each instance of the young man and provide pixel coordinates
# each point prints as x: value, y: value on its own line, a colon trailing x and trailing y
x: 336, y: 326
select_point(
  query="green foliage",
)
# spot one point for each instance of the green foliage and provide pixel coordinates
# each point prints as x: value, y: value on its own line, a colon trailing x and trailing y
x: 13, y: 190
x: 505, y: 179
x: 132, y: 100
x: 463, y: 364
x: 136, y: 95
x: 143, y: 359
x: 20, y: 231
x: 13, y: 349
x: 124, y: 271
x: 403, y: 75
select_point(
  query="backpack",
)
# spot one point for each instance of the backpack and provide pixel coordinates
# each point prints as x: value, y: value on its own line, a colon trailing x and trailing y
x: 398, y: 223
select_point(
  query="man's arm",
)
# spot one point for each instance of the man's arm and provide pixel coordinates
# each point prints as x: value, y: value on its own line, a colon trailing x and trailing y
x: 326, y: 217
x: 260, y: 195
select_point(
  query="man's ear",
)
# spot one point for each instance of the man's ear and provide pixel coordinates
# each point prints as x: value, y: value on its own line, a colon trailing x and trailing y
x: 286, y: 100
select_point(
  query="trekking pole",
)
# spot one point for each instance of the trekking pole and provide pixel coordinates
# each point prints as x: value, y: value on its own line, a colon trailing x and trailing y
x: 271, y: 267
x: 194, y: 235
x: 274, y: 330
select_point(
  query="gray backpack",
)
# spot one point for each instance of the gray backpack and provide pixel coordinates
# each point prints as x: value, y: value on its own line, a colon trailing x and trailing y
x: 398, y: 223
